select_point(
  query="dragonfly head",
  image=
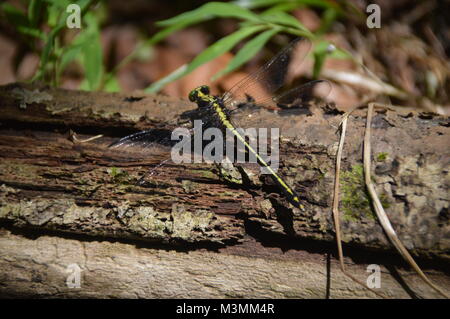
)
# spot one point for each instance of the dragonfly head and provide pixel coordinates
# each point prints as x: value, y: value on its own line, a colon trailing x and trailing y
x: 197, y: 93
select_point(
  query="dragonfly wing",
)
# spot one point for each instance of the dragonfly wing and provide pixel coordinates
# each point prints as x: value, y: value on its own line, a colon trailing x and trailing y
x: 262, y: 84
x: 153, y: 142
x: 143, y: 138
x: 296, y: 101
x: 314, y: 92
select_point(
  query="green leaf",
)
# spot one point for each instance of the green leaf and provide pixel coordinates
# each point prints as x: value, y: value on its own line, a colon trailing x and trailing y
x: 175, y: 75
x: 86, y: 47
x: 14, y: 15
x: 249, y: 50
x: 283, y: 18
x: 323, y: 47
x: 60, y: 4
x: 164, y: 33
x: 324, y: 50
x: 36, y: 33
x: 211, y: 10
x: 212, y: 52
x: 21, y: 21
x: 92, y: 53
x: 49, y: 44
x: 340, y: 54
x: 34, y: 12
x: 84, y: 85
x: 56, y: 10
x: 112, y: 85
x: 319, y: 60
x: 321, y: 4
x: 53, y: 14
x: 93, y: 63
x: 283, y: 6
x: 69, y: 54
x: 253, y: 4
x: 328, y: 17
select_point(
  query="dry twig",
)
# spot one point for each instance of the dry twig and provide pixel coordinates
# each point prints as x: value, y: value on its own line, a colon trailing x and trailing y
x: 336, y: 205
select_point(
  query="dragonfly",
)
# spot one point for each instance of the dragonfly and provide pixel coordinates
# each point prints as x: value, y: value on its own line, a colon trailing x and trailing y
x: 238, y: 108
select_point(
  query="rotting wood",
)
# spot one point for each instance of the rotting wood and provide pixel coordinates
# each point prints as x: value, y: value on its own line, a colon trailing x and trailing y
x: 49, y: 182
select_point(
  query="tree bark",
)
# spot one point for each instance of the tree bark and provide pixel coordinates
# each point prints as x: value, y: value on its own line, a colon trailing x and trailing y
x: 57, y: 187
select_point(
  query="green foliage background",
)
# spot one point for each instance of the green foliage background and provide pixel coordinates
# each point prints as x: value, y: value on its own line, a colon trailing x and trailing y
x: 259, y: 22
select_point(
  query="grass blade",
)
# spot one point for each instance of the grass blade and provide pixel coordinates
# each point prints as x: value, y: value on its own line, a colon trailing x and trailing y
x: 282, y: 18
x: 34, y: 11
x: 218, y: 48
x: 211, y: 10
x: 249, y: 50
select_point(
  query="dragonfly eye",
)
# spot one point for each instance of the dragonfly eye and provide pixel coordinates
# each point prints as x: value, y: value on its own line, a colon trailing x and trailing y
x: 193, y: 96
x: 204, y: 89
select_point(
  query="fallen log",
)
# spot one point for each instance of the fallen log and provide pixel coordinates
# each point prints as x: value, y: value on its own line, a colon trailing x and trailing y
x: 49, y: 182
